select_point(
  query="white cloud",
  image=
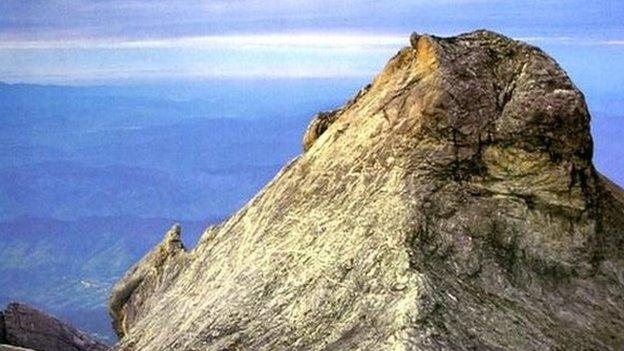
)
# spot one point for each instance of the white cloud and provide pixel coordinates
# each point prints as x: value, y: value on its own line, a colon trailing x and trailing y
x: 310, y: 40
x: 546, y: 39
x: 571, y: 40
x: 270, y: 40
x: 613, y: 42
x: 121, y: 75
x: 277, y: 55
x: 273, y: 55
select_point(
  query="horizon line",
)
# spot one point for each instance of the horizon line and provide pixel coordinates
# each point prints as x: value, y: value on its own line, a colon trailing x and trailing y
x: 301, y: 40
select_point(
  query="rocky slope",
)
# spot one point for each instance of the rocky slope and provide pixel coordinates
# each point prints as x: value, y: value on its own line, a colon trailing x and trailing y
x: 450, y: 205
x: 23, y: 327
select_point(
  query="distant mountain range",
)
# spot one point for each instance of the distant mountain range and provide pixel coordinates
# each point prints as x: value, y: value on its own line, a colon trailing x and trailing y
x: 105, y: 151
x: 90, y: 177
x: 67, y: 267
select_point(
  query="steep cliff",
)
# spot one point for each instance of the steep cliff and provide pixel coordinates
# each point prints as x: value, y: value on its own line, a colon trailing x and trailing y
x: 450, y: 205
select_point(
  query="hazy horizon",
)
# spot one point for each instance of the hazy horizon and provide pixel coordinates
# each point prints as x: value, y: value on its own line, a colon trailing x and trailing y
x: 137, y: 41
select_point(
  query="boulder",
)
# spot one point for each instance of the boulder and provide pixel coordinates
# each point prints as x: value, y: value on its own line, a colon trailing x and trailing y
x: 30, y: 328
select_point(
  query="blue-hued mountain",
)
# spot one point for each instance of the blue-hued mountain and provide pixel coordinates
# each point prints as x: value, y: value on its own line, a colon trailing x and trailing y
x: 89, y: 175
x: 68, y: 267
x: 188, y: 151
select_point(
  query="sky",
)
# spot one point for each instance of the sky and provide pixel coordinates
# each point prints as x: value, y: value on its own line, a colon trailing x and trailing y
x: 113, y: 41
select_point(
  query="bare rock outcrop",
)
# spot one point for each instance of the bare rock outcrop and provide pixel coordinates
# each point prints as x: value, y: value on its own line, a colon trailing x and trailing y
x: 451, y: 205
x: 151, y: 275
x: 318, y: 126
x: 26, y: 327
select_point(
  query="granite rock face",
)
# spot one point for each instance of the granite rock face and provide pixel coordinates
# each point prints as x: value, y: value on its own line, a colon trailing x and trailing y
x: 318, y: 126
x: 450, y: 205
x: 127, y: 302
x: 29, y: 328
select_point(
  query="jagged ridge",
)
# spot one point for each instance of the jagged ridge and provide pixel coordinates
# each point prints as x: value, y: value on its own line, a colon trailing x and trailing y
x: 450, y: 205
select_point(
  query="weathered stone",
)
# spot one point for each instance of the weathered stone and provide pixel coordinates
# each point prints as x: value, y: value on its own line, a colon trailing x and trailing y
x: 29, y: 328
x: 452, y: 205
x: 414, y: 37
x: 146, y: 278
x: 318, y: 126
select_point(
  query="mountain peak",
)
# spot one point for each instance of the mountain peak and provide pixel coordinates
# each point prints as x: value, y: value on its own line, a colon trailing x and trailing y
x: 452, y: 204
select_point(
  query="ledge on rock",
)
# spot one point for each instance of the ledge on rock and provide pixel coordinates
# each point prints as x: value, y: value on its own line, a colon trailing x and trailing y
x: 318, y: 126
x: 153, y: 272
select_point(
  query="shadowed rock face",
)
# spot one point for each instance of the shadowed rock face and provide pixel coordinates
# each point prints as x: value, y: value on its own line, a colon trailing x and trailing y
x: 451, y: 205
x: 2, y: 329
x: 26, y: 327
x: 318, y: 126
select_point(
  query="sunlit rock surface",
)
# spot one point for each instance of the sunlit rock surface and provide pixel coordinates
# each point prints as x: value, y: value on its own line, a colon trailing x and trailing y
x: 451, y: 205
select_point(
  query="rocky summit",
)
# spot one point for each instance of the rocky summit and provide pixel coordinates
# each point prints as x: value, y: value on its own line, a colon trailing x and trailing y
x: 452, y: 204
